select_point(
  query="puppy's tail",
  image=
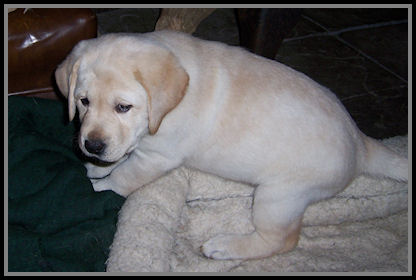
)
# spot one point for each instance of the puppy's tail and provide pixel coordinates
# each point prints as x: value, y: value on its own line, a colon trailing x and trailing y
x: 383, y: 162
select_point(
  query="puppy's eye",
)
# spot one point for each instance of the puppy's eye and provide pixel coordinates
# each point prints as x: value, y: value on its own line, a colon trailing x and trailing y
x: 123, y: 108
x: 85, y: 101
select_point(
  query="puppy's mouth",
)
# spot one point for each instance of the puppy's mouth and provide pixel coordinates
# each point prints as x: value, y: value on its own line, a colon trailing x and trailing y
x: 95, y: 158
x: 99, y: 152
x: 98, y: 161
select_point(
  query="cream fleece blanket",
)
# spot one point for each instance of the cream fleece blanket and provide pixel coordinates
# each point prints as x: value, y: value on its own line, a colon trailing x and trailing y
x: 162, y: 225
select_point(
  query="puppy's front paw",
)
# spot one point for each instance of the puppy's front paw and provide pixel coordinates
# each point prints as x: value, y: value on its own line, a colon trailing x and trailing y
x: 100, y: 185
x: 106, y: 184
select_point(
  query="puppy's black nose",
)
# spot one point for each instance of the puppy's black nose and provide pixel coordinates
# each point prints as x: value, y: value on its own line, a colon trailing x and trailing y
x: 94, y: 146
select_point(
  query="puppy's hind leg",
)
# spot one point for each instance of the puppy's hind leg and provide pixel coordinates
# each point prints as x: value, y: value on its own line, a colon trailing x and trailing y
x: 277, y: 217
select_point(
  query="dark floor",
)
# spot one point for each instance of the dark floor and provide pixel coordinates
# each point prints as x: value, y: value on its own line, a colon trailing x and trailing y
x: 360, y: 54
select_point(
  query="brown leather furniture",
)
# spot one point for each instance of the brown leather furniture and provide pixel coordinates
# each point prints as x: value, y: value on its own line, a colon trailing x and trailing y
x: 38, y: 40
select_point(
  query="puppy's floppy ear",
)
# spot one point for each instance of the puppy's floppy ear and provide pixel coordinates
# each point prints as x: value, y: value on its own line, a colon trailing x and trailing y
x: 165, y: 82
x: 66, y: 78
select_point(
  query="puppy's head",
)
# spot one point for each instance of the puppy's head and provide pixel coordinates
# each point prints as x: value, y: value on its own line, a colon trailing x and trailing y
x: 123, y: 87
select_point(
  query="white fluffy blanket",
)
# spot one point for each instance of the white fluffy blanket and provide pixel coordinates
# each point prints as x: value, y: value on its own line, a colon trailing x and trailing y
x: 162, y: 225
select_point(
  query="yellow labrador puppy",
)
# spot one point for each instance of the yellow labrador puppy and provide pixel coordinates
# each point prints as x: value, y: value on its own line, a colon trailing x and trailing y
x: 151, y: 102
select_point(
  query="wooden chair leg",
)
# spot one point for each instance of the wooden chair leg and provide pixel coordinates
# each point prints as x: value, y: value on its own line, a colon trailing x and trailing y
x: 185, y: 20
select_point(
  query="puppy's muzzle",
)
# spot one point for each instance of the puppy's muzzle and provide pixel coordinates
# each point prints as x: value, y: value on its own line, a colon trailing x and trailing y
x: 96, y: 147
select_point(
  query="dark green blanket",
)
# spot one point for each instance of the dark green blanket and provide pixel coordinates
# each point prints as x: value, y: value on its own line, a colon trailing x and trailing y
x: 56, y: 222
